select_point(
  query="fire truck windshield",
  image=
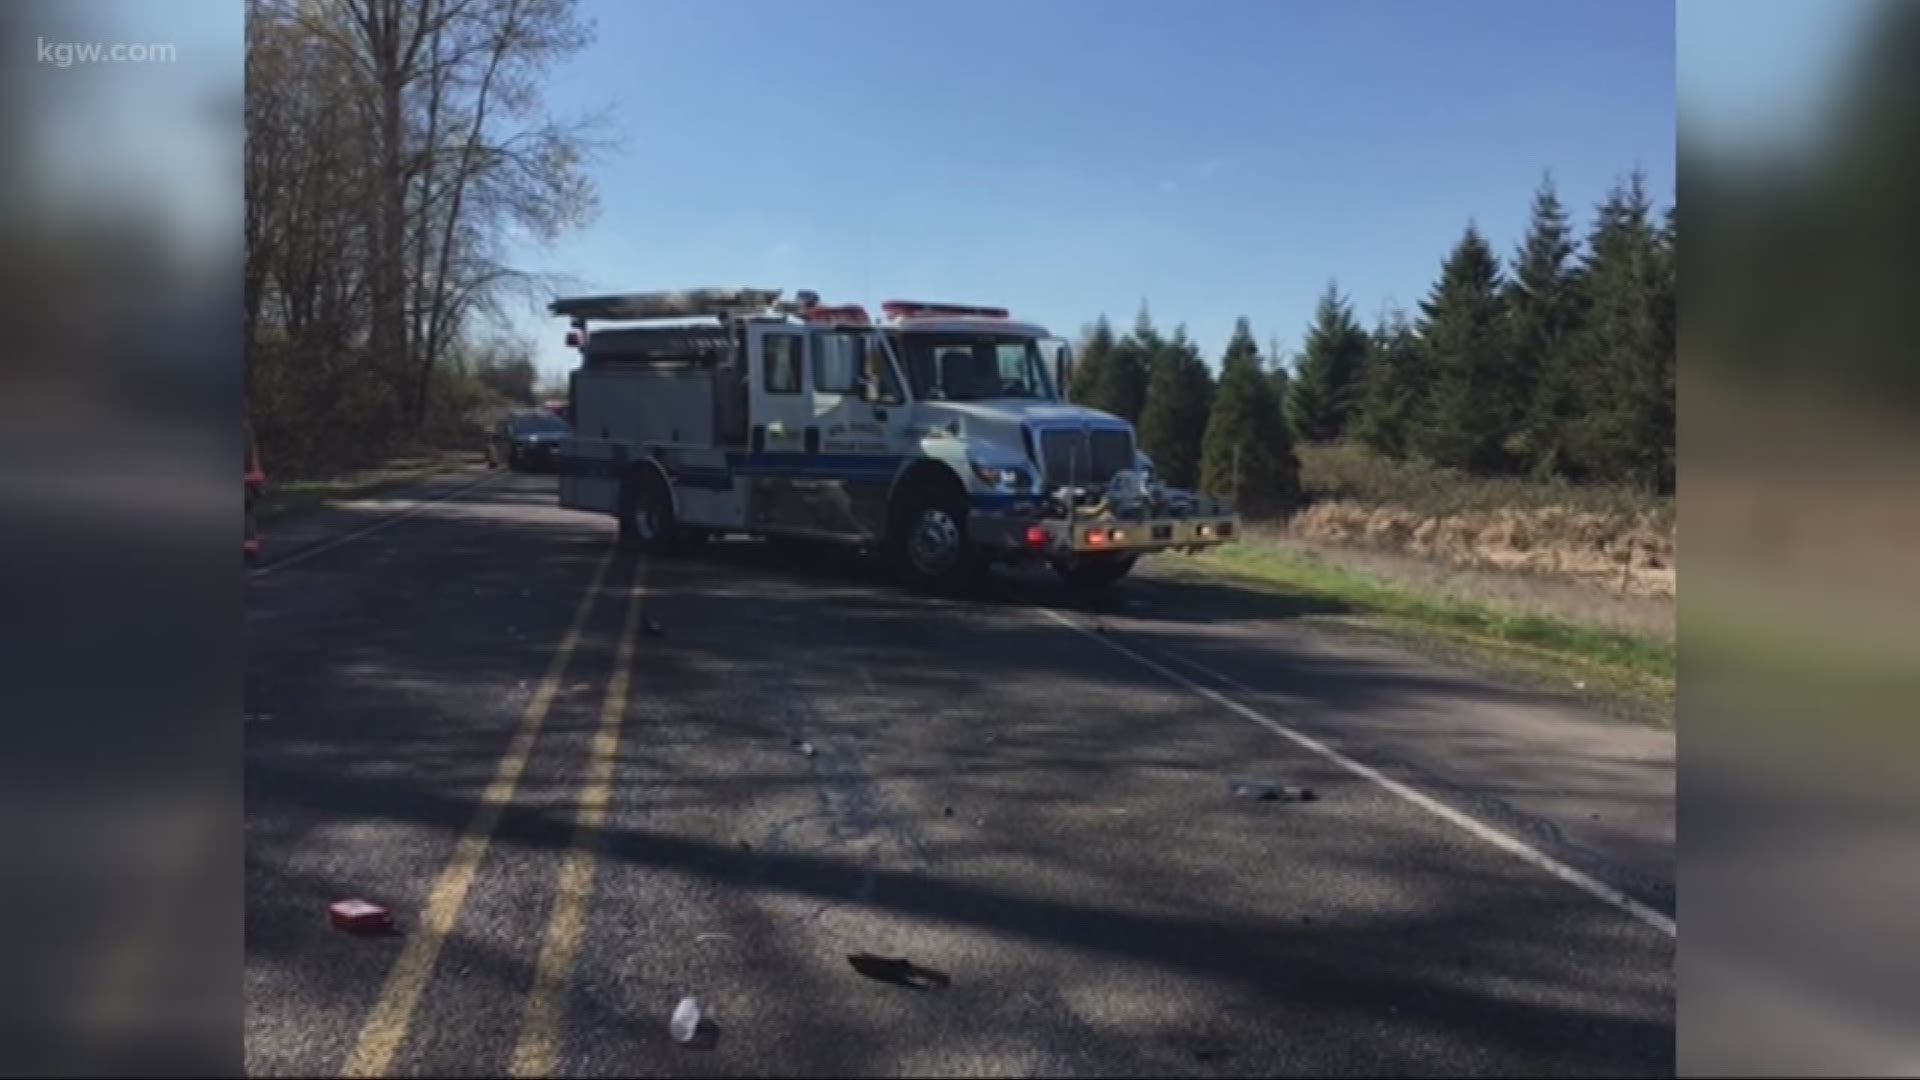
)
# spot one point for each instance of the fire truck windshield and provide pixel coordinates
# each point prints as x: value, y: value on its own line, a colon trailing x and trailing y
x: 946, y: 366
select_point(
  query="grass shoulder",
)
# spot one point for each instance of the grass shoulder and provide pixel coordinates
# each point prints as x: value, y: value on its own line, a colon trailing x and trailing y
x: 1626, y: 673
x: 285, y: 500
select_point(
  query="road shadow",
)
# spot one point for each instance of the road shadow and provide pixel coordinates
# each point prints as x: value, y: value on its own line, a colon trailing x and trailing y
x: 1018, y: 584
x: 397, y: 680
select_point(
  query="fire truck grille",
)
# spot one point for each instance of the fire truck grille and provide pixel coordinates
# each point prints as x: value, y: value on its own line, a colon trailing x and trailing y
x: 1071, y: 456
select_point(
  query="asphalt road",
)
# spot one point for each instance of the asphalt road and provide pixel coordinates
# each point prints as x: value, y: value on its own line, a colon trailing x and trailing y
x: 583, y: 803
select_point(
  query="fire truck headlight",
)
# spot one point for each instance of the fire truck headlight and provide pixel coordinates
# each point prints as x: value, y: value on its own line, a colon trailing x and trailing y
x: 1003, y: 477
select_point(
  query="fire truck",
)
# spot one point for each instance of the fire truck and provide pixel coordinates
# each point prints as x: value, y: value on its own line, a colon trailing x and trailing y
x: 937, y: 434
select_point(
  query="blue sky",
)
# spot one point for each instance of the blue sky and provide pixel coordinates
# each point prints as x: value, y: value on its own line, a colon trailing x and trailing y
x: 1067, y: 158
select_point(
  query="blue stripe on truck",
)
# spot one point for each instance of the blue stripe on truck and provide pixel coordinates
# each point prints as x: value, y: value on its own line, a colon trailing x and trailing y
x: 855, y: 468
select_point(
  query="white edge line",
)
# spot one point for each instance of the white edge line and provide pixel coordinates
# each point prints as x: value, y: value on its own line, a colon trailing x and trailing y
x: 393, y: 519
x: 1526, y: 853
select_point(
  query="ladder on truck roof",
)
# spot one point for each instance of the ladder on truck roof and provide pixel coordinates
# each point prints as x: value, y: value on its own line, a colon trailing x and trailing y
x: 681, y: 304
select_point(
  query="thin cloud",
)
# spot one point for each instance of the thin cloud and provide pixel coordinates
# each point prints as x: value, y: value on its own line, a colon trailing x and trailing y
x: 1209, y: 168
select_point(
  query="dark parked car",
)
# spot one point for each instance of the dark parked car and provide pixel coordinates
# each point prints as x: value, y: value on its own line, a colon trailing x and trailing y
x: 526, y: 441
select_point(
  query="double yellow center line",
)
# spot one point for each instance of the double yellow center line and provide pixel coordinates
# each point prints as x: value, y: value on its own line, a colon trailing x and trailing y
x: 536, y: 1051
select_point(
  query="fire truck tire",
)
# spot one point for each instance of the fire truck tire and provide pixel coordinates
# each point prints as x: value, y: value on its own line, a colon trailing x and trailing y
x: 646, y: 514
x: 1095, y: 571
x: 929, y: 539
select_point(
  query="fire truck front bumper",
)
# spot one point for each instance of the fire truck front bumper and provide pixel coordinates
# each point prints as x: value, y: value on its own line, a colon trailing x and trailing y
x: 1056, y: 538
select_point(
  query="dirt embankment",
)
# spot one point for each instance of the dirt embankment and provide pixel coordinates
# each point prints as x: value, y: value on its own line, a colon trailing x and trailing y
x: 1633, y: 555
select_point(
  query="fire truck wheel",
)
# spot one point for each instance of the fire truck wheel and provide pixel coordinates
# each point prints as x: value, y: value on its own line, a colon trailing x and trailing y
x: 646, y: 514
x: 930, y: 539
x: 1094, y: 571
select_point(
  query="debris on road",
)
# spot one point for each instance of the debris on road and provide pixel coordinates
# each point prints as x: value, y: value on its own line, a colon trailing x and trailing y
x: 806, y: 748
x: 357, y: 916
x: 685, y: 1024
x: 651, y: 628
x: 947, y: 812
x: 898, y: 971
x: 1270, y: 791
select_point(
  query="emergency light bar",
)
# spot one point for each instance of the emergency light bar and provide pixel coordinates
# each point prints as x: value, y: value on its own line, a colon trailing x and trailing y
x: 912, y: 309
x: 845, y: 314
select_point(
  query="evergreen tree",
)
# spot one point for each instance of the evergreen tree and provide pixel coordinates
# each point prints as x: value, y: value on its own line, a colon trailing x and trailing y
x: 1173, y: 420
x: 1090, y: 363
x: 1625, y: 350
x: 1122, y: 389
x: 1543, y: 313
x: 1326, y: 385
x: 1245, y: 453
x: 1394, y: 388
x: 1467, y: 417
x: 1280, y: 381
x: 1144, y: 333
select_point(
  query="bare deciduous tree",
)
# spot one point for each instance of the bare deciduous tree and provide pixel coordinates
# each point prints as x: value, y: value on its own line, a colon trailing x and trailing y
x: 395, y: 148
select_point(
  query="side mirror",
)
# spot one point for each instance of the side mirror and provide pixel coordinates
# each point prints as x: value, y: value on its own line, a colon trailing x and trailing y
x: 1062, y: 369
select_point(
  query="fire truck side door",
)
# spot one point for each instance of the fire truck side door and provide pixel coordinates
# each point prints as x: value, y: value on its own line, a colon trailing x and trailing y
x: 777, y: 393
x: 782, y: 489
x: 860, y: 414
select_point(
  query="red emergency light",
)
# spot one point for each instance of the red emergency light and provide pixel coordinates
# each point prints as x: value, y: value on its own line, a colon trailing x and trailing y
x: 845, y: 313
x: 912, y: 309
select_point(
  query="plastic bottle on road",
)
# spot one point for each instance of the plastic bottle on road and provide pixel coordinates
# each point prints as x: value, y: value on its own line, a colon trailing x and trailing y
x: 686, y: 1020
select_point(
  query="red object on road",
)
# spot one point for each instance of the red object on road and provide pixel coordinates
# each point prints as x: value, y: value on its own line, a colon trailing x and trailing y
x: 359, y: 917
